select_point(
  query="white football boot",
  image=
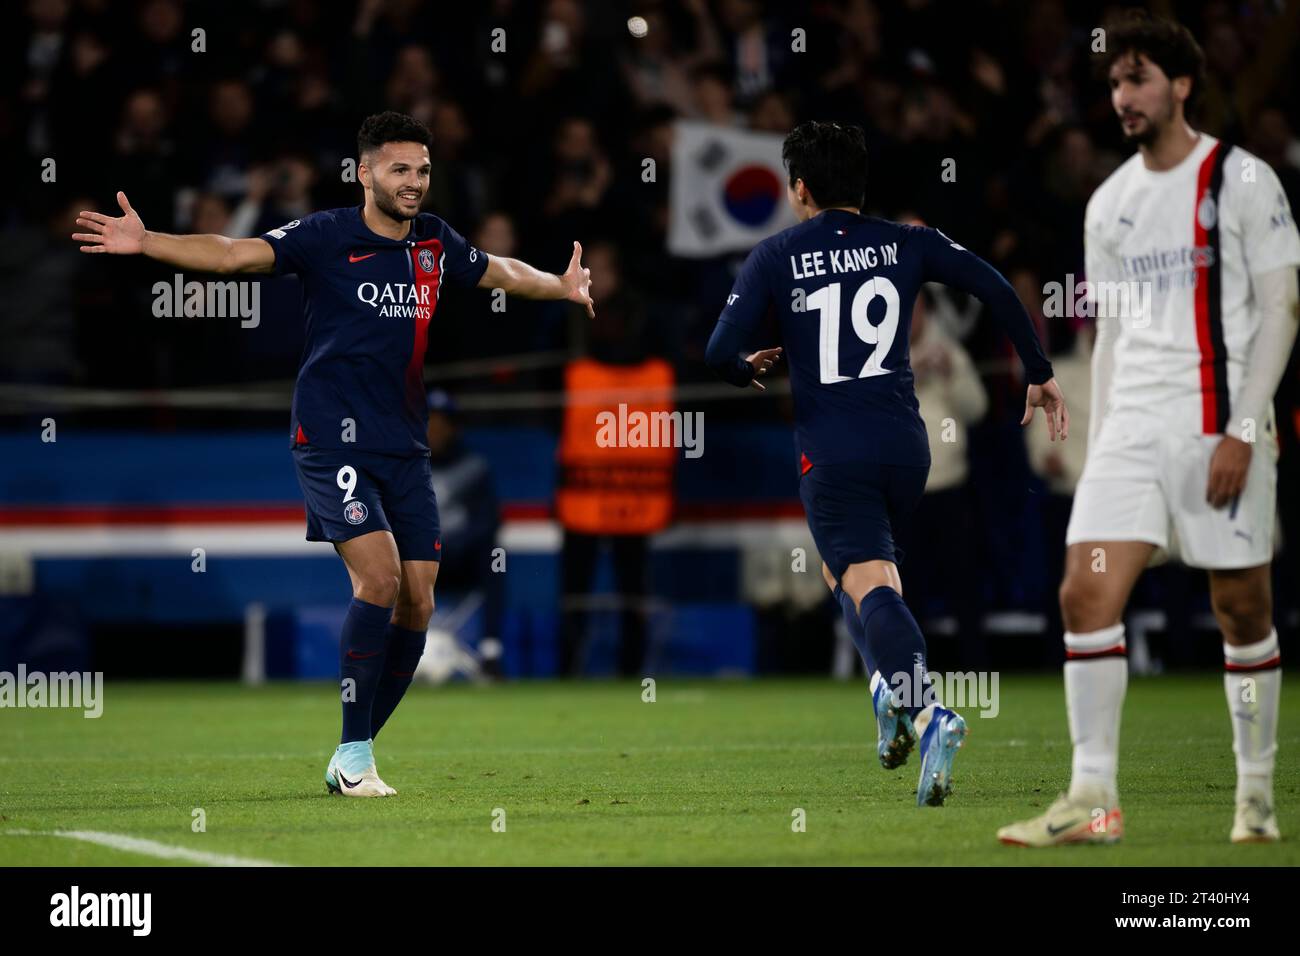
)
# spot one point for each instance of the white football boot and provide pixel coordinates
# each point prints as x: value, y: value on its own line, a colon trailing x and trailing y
x: 1255, y: 822
x: 1089, y: 818
x: 363, y: 783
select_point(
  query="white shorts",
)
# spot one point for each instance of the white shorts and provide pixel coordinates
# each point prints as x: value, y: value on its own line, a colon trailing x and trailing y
x: 1142, y: 482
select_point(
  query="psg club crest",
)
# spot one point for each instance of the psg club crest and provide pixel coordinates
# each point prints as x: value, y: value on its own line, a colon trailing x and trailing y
x: 355, y: 512
x: 426, y: 260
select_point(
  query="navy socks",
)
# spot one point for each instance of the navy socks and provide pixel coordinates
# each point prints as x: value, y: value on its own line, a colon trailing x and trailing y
x: 854, y: 624
x: 362, y: 649
x: 894, y: 641
x: 404, y: 650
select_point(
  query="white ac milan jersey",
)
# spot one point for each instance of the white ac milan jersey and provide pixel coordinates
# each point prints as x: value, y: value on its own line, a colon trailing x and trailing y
x: 1177, y: 250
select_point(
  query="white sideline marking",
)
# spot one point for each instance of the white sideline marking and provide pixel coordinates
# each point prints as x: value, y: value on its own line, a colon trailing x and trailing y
x: 130, y: 844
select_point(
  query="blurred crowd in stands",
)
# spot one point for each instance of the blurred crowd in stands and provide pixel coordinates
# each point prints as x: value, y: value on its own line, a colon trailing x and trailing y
x: 251, y: 122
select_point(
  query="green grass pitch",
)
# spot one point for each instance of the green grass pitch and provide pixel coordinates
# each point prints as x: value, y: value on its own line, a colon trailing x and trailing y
x: 586, y: 773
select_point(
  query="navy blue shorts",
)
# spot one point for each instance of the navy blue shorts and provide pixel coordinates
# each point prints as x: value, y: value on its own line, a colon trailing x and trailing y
x: 853, y: 509
x: 351, y: 493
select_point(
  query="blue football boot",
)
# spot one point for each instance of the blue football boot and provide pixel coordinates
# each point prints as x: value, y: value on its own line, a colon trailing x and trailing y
x: 943, y: 736
x: 897, y: 735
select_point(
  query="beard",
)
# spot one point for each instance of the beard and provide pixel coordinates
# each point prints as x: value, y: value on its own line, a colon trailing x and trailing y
x: 1143, y: 135
x: 387, y: 204
x: 1147, y: 134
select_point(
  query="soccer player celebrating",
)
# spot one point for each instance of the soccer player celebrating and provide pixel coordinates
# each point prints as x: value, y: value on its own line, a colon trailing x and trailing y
x: 1198, y: 235
x: 371, y: 278
x: 843, y: 285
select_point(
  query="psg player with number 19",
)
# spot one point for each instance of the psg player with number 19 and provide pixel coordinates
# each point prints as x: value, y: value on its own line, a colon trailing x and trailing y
x: 371, y: 277
x: 843, y: 285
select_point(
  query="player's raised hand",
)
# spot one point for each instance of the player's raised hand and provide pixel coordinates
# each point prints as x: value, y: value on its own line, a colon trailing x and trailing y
x: 761, y: 361
x: 577, y: 282
x: 1048, y: 397
x: 1228, y: 467
x: 123, y: 235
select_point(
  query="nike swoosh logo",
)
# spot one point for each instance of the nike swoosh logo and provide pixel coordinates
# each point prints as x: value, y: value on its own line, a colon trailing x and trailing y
x: 1053, y: 831
x: 353, y: 655
x: 346, y: 782
x: 352, y: 258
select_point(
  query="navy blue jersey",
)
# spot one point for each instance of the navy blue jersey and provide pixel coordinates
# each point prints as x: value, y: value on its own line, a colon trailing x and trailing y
x: 843, y: 286
x: 368, y: 301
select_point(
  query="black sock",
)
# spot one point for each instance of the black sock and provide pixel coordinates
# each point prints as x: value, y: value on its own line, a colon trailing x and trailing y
x: 362, y: 649
x: 894, y: 641
x: 404, y: 650
x: 854, y: 624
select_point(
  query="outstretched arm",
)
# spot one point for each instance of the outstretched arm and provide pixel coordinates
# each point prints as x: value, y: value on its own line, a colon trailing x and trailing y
x: 521, y: 279
x: 126, y: 235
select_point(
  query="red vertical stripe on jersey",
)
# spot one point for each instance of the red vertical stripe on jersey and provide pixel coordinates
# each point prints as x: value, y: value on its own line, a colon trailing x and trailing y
x: 427, y: 283
x: 1209, y: 304
x: 1208, y: 411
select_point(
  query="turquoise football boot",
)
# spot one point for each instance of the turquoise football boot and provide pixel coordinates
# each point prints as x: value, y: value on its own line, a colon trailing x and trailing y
x: 944, y: 735
x: 351, y: 772
x: 897, y: 735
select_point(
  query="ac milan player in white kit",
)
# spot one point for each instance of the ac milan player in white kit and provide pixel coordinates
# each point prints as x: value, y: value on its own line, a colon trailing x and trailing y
x: 1182, y: 450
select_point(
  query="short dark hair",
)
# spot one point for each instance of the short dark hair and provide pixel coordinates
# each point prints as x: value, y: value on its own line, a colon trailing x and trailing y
x: 831, y: 160
x: 1167, y: 44
x: 391, y: 127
